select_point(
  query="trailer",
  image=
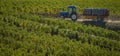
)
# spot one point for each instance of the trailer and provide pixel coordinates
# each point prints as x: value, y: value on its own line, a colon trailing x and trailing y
x: 95, y: 14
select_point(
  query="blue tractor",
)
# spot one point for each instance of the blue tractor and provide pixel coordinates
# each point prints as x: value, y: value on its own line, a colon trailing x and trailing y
x: 72, y: 13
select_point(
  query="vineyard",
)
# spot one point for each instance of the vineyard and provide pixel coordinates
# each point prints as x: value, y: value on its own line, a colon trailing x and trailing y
x: 25, y: 32
x: 54, y: 7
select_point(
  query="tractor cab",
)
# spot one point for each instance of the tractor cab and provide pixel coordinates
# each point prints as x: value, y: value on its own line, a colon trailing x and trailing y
x: 71, y: 10
x: 70, y: 14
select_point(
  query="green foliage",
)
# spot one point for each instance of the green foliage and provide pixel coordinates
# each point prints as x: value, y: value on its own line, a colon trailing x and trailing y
x: 54, y: 7
x: 35, y: 39
x: 23, y: 33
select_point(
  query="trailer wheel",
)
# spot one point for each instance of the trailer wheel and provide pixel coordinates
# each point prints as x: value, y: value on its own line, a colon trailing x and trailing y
x: 74, y: 17
x: 100, y: 19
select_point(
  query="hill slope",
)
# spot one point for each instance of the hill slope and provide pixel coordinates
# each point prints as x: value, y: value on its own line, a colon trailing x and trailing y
x: 25, y: 34
x: 29, y: 34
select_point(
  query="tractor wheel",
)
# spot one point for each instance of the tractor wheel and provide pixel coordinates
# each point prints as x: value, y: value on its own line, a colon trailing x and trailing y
x: 74, y: 17
x: 62, y: 16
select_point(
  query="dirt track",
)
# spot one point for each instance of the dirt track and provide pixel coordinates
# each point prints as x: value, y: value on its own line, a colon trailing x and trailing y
x: 110, y: 24
x: 109, y: 21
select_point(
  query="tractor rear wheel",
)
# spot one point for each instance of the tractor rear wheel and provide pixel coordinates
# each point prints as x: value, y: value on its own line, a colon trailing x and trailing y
x: 74, y: 17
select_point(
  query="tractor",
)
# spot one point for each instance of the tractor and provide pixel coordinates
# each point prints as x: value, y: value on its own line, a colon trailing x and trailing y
x: 70, y: 14
x: 88, y: 13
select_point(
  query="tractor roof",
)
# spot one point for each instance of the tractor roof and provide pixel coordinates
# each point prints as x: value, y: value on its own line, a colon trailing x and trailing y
x: 71, y: 7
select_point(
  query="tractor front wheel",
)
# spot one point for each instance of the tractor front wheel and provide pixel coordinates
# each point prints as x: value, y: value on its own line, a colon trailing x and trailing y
x: 62, y: 16
x: 74, y: 17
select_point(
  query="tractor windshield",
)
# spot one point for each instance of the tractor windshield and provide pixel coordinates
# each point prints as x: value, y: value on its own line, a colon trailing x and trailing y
x: 70, y: 10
